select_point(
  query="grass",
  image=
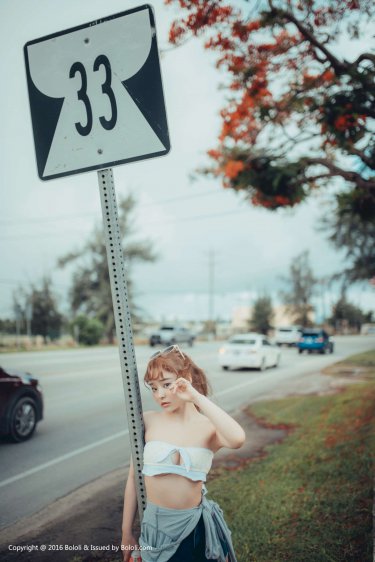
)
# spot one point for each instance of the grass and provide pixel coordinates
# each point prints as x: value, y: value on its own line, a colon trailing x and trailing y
x: 310, y: 498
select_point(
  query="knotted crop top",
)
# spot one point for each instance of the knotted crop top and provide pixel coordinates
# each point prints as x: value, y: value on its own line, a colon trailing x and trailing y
x: 195, y: 461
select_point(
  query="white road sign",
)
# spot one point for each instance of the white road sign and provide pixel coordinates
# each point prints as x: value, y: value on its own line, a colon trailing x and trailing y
x: 96, y: 95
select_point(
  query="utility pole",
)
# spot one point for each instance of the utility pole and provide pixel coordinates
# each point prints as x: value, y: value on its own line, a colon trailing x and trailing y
x: 18, y: 315
x: 211, y: 290
x: 29, y: 317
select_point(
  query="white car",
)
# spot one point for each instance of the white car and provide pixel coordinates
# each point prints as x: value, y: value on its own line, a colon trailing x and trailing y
x: 249, y: 350
x: 288, y: 335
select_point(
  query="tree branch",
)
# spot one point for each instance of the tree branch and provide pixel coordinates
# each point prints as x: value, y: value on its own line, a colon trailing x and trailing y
x: 347, y: 175
x: 318, y: 177
x: 366, y: 159
x: 364, y: 56
x: 339, y: 66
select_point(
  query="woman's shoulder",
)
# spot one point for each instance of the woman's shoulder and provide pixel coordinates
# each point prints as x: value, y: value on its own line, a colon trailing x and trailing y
x: 149, y: 415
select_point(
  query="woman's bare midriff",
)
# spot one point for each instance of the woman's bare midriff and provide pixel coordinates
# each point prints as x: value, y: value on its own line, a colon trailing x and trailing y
x: 173, y: 491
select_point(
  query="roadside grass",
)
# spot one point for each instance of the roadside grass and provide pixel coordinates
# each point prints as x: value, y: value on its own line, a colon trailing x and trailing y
x: 310, y: 498
x: 361, y: 360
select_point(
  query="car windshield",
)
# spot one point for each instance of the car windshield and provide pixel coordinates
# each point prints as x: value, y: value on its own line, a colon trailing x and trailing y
x: 285, y: 330
x: 243, y: 341
x: 167, y: 328
x: 311, y: 333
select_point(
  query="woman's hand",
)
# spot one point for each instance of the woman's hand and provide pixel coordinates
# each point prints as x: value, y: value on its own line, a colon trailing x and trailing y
x: 128, y: 544
x: 183, y: 389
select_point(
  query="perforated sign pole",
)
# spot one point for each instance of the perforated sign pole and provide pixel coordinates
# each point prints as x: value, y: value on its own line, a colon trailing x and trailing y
x: 117, y: 273
x: 96, y: 101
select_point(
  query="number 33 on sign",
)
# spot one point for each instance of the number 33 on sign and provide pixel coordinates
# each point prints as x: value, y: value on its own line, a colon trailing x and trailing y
x: 96, y: 95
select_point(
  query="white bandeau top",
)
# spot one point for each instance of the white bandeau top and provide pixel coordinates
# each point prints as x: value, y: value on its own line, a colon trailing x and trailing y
x: 195, y: 461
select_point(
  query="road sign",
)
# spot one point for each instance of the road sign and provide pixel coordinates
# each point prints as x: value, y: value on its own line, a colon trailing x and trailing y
x: 96, y: 95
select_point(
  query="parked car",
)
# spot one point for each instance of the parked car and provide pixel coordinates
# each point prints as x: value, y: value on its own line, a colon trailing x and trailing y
x: 249, y: 350
x: 21, y: 404
x: 288, y: 335
x: 169, y: 335
x: 314, y: 339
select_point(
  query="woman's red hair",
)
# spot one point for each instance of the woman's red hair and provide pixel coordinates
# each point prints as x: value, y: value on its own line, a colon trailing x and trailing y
x: 184, y: 367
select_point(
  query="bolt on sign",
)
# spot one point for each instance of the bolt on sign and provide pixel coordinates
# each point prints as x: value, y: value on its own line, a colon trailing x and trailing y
x: 96, y: 95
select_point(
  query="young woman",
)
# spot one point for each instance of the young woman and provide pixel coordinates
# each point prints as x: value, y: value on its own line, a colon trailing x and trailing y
x: 179, y: 523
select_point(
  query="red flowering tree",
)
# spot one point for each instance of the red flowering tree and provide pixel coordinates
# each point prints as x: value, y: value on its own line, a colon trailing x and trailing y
x: 299, y: 114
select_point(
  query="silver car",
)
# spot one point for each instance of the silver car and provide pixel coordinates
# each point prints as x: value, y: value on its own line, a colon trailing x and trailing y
x: 169, y: 335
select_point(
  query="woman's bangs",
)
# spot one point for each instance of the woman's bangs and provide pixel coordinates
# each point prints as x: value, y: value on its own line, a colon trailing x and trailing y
x: 156, y: 367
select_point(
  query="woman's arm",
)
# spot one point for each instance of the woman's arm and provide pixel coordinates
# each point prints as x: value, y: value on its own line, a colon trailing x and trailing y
x: 129, y: 511
x: 229, y: 433
x: 130, y: 501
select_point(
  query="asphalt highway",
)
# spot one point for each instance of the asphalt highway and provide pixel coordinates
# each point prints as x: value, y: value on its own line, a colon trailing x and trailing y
x: 84, y: 433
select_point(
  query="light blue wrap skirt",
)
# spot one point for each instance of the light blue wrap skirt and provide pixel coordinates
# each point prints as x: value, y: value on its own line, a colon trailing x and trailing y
x: 163, y: 529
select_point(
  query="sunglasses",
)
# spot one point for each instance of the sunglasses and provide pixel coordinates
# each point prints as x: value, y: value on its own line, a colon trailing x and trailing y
x: 167, y: 350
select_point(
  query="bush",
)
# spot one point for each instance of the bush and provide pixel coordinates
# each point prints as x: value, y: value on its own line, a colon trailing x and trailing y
x: 87, y: 331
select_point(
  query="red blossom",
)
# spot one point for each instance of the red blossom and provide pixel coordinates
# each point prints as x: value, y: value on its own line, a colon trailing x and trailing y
x: 253, y: 26
x: 328, y: 75
x: 215, y: 154
x: 233, y: 168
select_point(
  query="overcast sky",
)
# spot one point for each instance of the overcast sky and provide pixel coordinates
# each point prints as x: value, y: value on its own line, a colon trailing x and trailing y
x: 42, y: 221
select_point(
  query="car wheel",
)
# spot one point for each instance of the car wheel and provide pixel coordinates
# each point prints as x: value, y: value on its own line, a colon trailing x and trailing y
x: 191, y: 343
x: 23, y: 419
x: 152, y: 344
x: 277, y: 361
x: 263, y: 365
x: 332, y: 348
x: 300, y: 351
x: 225, y: 367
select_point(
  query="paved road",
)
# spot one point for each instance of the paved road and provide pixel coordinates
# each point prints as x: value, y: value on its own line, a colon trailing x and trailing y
x: 84, y: 434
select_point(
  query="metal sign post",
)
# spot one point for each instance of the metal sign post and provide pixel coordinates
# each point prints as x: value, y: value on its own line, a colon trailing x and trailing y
x: 116, y: 266
x: 96, y: 101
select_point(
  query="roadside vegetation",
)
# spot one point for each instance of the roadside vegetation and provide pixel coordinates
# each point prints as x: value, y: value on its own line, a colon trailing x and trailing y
x: 310, y: 498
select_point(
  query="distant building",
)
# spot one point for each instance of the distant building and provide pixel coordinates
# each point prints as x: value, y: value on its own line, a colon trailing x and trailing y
x: 241, y: 318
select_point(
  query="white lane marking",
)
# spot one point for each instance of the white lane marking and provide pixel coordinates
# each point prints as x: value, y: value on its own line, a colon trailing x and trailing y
x: 62, y: 458
x: 107, y: 439
x: 247, y: 383
x: 96, y: 444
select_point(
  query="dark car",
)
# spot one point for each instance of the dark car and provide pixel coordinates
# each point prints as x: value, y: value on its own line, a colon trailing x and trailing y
x: 21, y: 404
x: 315, y: 340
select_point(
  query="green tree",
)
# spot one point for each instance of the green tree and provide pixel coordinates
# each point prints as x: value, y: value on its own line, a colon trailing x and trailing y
x: 46, y: 320
x: 262, y: 315
x: 347, y: 315
x: 87, y: 330
x: 90, y: 293
x: 348, y: 231
x: 301, y: 282
x: 7, y: 326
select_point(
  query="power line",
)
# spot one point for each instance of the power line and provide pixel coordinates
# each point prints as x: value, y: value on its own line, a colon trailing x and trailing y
x: 19, y: 281
x: 49, y: 235
x: 6, y: 222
